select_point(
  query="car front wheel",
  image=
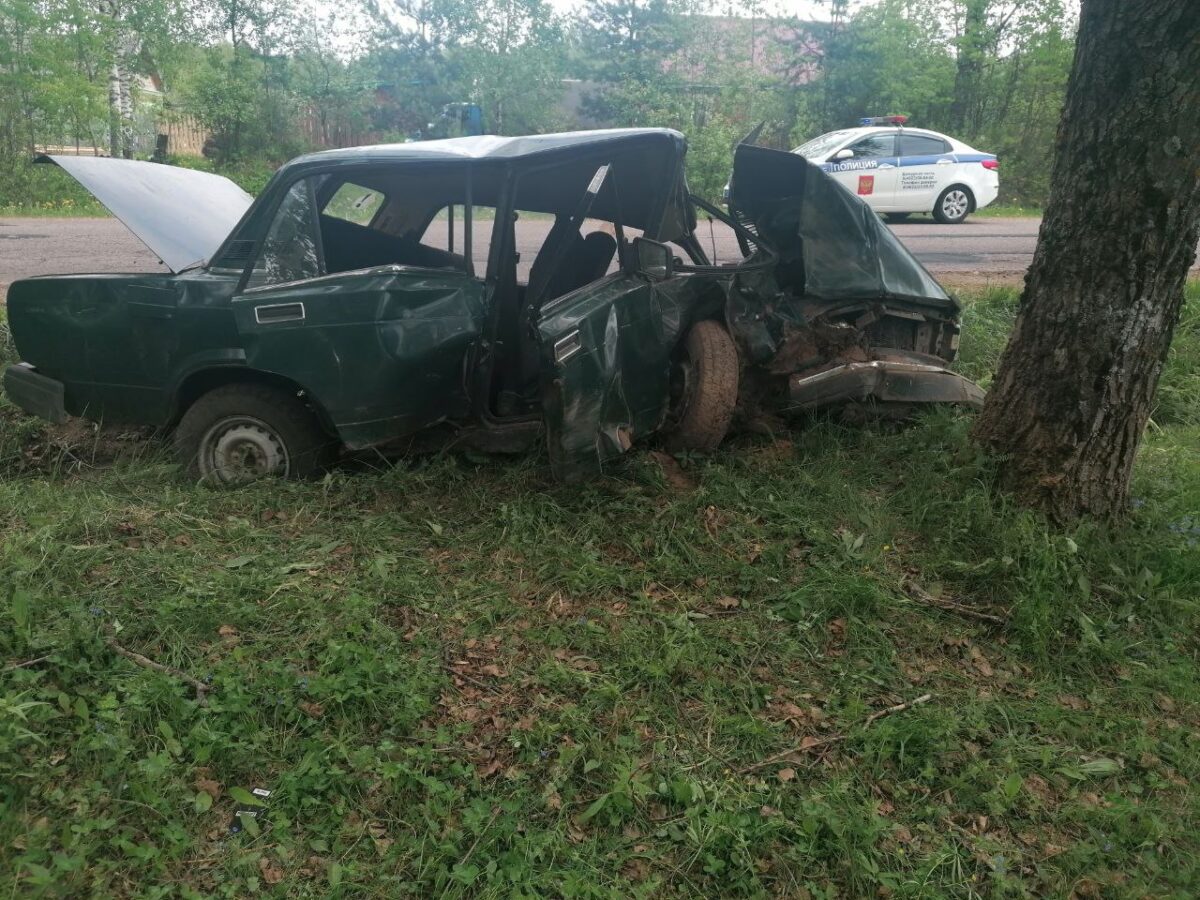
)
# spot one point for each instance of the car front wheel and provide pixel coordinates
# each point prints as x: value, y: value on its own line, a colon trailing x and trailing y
x: 953, y: 205
x: 704, y: 389
x: 243, y: 432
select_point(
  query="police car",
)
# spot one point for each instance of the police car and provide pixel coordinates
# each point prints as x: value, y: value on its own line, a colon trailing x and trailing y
x: 899, y: 170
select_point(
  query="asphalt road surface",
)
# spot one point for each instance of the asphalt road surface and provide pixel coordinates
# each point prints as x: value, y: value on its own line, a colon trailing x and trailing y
x: 979, y: 250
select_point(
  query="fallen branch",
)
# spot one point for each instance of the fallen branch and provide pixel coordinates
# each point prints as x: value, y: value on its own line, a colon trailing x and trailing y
x: 811, y: 745
x: 899, y: 707
x: 26, y: 664
x: 918, y: 593
x: 145, y: 662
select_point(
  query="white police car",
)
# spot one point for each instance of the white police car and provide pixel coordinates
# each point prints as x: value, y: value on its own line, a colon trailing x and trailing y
x: 899, y: 170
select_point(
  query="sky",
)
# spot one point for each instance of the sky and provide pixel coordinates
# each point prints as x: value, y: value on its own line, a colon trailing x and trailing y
x: 804, y: 9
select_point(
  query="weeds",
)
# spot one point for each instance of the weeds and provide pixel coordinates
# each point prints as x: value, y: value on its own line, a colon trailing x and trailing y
x: 460, y: 678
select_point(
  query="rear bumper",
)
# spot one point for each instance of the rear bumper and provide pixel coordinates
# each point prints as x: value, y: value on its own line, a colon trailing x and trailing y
x: 987, y: 192
x: 35, y: 393
x: 885, y: 381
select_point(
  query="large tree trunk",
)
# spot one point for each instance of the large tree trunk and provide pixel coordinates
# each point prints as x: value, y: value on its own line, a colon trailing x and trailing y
x: 1075, y: 385
x: 969, y: 65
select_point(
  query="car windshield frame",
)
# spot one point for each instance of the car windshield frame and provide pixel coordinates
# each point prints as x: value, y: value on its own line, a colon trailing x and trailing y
x: 825, y: 143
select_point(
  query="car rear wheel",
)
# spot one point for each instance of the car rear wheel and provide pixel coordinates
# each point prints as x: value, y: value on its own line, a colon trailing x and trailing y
x: 953, y: 205
x: 704, y: 389
x: 243, y: 432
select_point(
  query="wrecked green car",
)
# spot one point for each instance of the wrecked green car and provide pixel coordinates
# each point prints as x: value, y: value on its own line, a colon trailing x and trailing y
x: 486, y: 290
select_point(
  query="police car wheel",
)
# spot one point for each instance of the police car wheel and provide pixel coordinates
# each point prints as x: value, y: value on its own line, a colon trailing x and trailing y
x: 953, y: 205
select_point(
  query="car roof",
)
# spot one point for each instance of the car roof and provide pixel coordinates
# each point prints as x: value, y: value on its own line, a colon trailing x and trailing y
x: 865, y: 130
x: 496, y: 147
x: 861, y: 131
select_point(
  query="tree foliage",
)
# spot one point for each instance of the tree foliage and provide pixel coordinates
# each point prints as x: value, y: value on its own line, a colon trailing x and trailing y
x: 267, y: 79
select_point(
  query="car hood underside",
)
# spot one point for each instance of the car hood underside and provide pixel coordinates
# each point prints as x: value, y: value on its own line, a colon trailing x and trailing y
x: 831, y: 245
x: 180, y: 214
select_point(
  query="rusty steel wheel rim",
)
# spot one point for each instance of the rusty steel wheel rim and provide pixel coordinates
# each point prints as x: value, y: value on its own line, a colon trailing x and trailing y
x: 242, y: 448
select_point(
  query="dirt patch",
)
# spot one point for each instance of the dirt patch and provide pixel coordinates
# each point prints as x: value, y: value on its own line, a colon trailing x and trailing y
x: 30, y: 446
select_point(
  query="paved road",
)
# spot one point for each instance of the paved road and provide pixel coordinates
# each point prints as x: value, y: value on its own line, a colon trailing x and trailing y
x: 978, y: 250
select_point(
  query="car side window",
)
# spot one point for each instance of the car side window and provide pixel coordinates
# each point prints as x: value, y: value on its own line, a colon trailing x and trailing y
x: 354, y: 203
x: 291, y: 251
x: 875, y: 147
x: 922, y: 145
x: 446, y: 232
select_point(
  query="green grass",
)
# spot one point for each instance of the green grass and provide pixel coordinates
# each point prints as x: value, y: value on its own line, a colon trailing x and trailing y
x: 1008, y: 211
x: 55, y: 210
x: 460, y: 678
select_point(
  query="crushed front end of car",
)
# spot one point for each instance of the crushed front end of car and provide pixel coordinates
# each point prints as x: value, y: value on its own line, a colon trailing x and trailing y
x: 846, y: 317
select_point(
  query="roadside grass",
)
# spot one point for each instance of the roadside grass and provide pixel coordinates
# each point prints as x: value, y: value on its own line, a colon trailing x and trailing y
x: 60, y: 209
x: 460, y: 678
x: 1008, y: 211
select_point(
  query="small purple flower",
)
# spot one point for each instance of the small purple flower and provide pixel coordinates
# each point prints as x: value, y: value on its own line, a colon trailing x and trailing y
x: 97, y: 611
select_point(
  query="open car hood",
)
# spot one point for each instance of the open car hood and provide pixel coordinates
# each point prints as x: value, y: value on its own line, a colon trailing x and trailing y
x: 831, y: 245
x: 181, y: 214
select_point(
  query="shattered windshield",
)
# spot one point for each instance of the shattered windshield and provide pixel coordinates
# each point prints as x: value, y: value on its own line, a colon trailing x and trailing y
x: 820, y: 146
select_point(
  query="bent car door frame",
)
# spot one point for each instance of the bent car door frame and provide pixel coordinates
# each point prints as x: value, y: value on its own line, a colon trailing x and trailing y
x: 381, y: 351
x: 605, y: 360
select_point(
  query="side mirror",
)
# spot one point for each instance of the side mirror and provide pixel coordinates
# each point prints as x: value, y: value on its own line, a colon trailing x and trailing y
x: 652, y: 259
x: 844, y: 153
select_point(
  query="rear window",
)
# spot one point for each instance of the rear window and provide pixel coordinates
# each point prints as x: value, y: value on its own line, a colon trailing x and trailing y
x: 354, y: 203
x: 922, y: 145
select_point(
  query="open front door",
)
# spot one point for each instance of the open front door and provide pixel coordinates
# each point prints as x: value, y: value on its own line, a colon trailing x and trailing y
x: 606, y: 371
x: 605, y: 360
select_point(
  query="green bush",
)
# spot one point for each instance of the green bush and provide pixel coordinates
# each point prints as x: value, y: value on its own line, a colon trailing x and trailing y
x: 41, y: 190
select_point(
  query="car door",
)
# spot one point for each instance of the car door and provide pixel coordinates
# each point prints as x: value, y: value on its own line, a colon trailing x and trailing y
x: 606, y: 371
x: 927, y: 167
x: 605, y: 363
x: 870, y: 171
x: 382, y: 350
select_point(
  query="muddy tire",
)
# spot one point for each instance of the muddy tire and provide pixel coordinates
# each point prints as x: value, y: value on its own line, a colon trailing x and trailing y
x: 242, y: 432
x: 704, y: 389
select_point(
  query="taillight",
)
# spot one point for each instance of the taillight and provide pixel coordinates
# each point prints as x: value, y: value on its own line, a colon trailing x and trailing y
x: 992, y: 164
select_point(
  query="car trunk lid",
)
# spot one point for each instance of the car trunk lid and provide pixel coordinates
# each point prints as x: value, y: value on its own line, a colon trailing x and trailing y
x: 182, y: 215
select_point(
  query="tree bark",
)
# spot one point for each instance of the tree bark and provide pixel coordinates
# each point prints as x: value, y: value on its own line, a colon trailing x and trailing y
x: 1076, y: 383
x: 969, y: 64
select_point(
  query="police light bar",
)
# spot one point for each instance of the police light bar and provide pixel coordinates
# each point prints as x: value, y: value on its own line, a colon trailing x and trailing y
x: 883, y: 120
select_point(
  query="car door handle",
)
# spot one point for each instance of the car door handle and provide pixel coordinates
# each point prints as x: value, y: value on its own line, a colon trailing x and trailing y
x: 886, y: 166
x: 945, y: 162
x: 566, y: 347
x: 279, y: 312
